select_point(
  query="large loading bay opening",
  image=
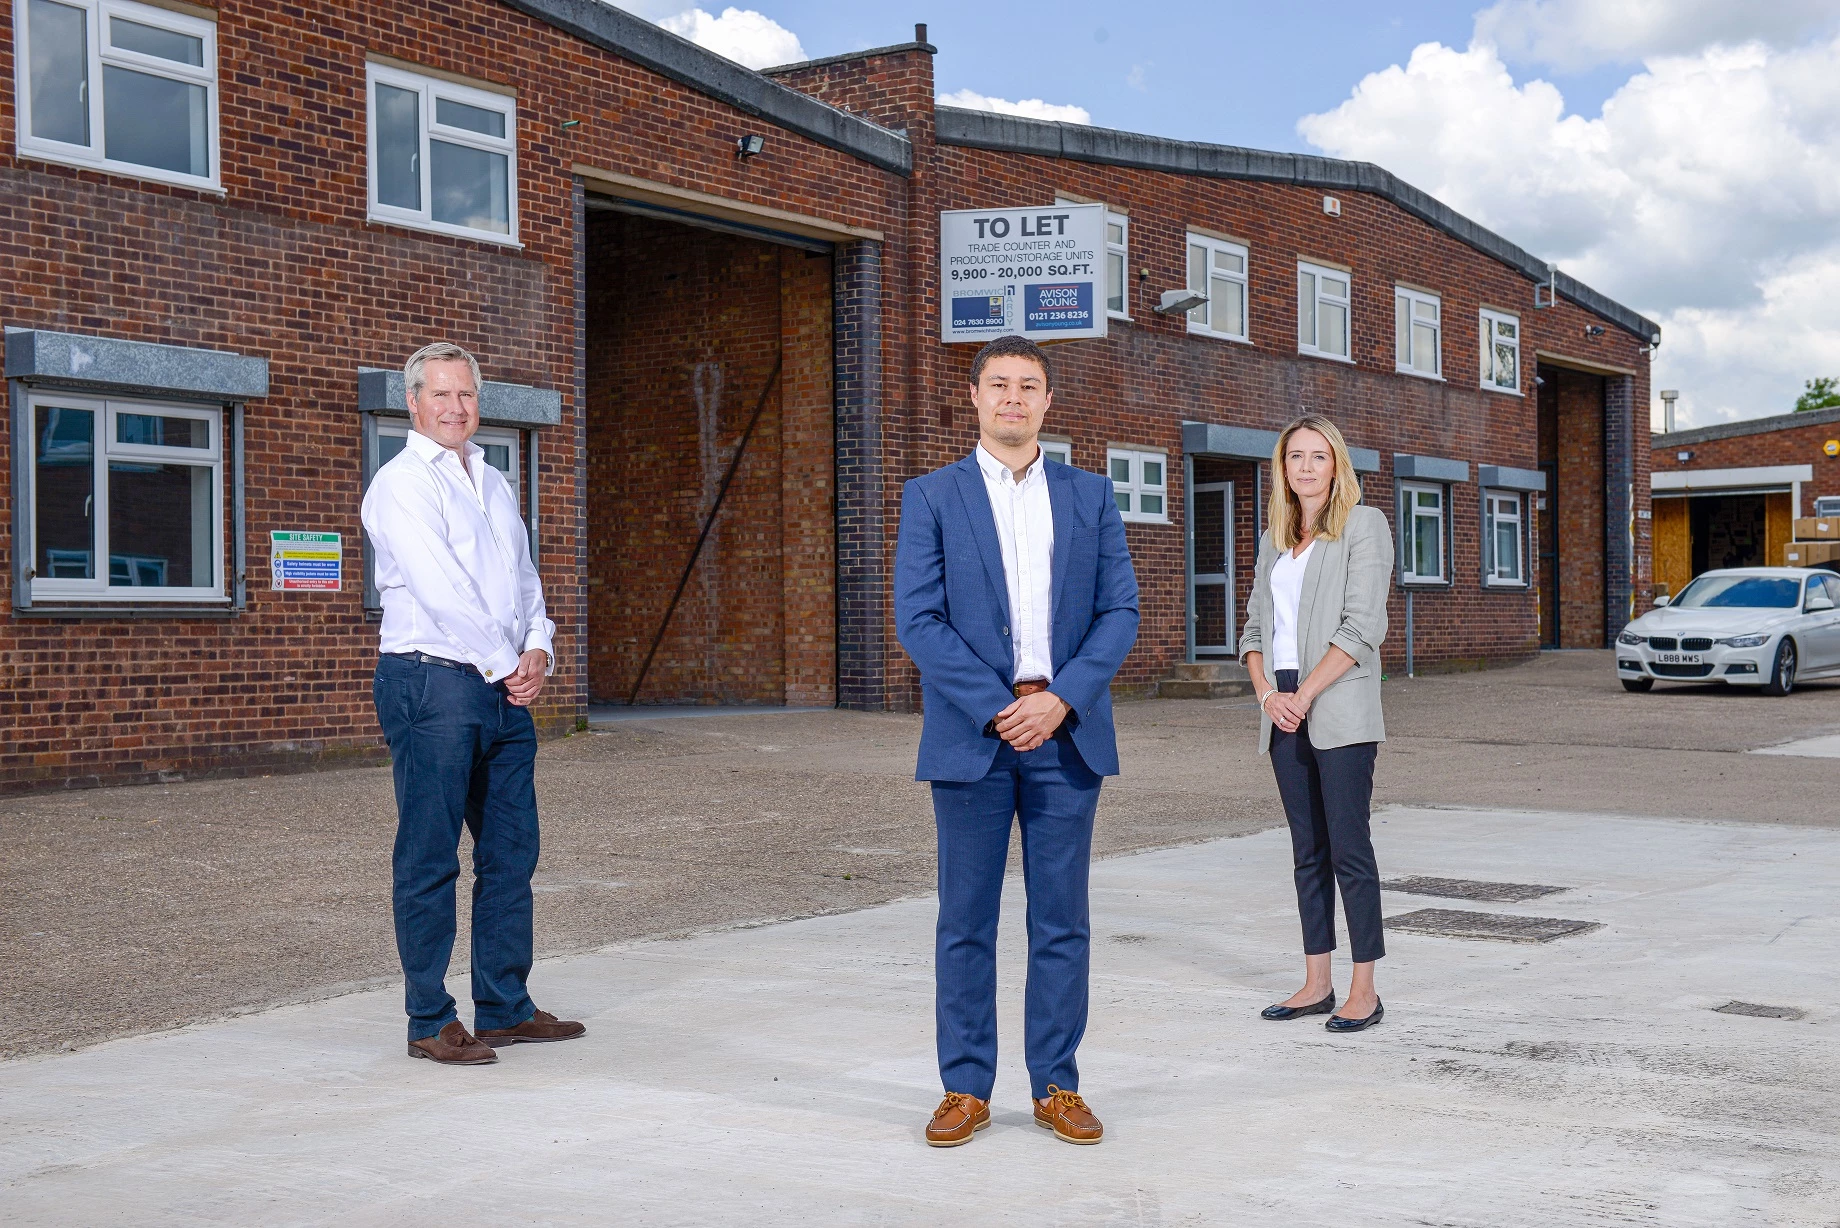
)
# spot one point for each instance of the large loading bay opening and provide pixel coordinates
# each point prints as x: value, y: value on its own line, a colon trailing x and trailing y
x: 685, y: 328
x: 1705, y: 531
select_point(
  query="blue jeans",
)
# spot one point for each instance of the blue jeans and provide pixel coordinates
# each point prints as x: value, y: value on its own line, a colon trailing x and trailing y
x: 461, y: 753
x: 1052, y: 794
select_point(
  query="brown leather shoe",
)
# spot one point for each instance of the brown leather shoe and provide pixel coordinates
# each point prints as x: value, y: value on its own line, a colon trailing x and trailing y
x: 1067, y: 1115
x: 541, y: 1026
x: 957, y: 1118
x: 454, y: 1046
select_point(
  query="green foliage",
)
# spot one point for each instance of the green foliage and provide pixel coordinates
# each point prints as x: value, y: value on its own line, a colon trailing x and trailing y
x: 1822, y: 392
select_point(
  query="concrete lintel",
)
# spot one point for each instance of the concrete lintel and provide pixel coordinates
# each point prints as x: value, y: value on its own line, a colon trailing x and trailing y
x: 1586, y: 365
x: 1430, y: 468
x: 1748, y: 475
x: 109, y: 364
x: 669, y: 196
x: 382, y: 391
x: 1251, y: 443
x: 652, y: 46
x: 1502, y: 477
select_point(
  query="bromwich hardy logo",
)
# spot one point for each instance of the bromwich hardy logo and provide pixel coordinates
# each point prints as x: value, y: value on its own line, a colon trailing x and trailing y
x: 980, y: 311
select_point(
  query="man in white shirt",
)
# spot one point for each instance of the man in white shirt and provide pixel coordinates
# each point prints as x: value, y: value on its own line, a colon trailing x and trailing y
x: 466, y: 647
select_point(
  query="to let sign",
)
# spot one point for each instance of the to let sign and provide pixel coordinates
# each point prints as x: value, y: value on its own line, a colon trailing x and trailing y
x: 1037, y: 273
x: 306, y: 561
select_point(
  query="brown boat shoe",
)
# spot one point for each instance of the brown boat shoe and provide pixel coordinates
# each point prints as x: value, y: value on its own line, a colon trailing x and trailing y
x: 540, y: 1027
x: 957, y: 1118
x: 1067, y: 1115
x: 453, y: 1045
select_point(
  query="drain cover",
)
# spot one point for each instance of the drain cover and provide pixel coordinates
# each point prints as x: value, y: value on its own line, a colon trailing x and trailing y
x: 1759, y: 1010
x: 1454, y: 923
x: 1468, y: 889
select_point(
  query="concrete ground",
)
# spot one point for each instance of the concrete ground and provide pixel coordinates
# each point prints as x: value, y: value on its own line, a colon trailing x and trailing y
x: 782, y: 1074
x: 136, y: 909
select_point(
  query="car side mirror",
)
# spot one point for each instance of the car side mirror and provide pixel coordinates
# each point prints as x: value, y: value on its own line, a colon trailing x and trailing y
x: 1661, y: 601
x: 1817, y: 604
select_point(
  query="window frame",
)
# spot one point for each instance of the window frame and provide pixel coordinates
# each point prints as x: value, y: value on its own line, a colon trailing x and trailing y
x: 1122, y: 250
x: 1136, y: 488
x: 1491, y: 577
x: 51, y: 591
x: 1213, y: 246
x: 99, y: 51
x: 1406, y: 301
x: 1051, y: 447
x: 1487, y: 319
x: 1408, y: 521
x: 1317, y: 271
x: 429, y: 88
x: 399, y: 427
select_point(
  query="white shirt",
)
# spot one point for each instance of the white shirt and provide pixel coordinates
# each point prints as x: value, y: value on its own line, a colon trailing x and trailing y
x: 1286, y: 594
x: 453, y: 561
x: 1025, y: 531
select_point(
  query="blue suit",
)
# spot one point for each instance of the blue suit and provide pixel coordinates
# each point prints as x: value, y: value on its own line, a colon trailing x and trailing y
x: 952, y: 616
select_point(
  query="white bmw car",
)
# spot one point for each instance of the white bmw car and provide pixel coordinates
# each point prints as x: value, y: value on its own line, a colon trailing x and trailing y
x: 1751, y: 626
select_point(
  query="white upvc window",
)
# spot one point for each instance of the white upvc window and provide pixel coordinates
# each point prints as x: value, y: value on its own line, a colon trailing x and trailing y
x: 118, y: 87
x: 1057, y: 450
x: 1217, y: 269
x: 1418, y: 333
x: 126, y: 499
x: 1501, y: 352
x: 1504, y: 549
x: 1117, y: 266
x: 442, y: 156
x: 1323, y: 308
x: 503, y: 448
x: 1424, y: 544
x: 1140, y: 484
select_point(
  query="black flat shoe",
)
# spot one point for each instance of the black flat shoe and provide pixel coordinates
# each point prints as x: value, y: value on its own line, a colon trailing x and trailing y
x: 1291, y: 1012
x: 1336, y: 1023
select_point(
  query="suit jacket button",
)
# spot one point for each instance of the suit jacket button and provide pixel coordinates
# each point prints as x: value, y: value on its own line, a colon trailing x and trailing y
x: 1006, y: 631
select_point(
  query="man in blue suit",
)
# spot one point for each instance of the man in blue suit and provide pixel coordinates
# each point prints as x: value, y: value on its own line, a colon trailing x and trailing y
x: 1014, y: 595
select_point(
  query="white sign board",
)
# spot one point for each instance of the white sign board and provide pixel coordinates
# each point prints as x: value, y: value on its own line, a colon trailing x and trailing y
x: 1036, y: 273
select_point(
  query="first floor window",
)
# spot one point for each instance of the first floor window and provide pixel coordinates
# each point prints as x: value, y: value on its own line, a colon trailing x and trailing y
x: 1421, y: 528
x: 1501, y: 351
x: 1140, y: 484
x: 1117, y: 262
x: 1503, y: 550
x: 442, y: 156
x: 1417, y: 332
x: 1217, y: 269
x: 119, y: 86
x: 1323, y: 302
x: 502, y: 448
x: 127, y: 499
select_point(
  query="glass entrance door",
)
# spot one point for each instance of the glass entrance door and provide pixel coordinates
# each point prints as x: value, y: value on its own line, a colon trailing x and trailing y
x: 1210, y: 583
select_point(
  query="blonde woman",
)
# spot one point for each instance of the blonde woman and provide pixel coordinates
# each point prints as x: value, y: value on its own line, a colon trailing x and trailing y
x: 1314, y: 624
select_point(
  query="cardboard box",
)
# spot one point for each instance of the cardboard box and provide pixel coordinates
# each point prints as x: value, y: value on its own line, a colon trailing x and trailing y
x: 1810, y: 554
x: 1817, y: 528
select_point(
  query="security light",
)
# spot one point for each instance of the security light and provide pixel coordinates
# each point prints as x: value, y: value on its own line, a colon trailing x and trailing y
x: 1594, y: 330
x: 1175, y: 302
x: 749, y: 145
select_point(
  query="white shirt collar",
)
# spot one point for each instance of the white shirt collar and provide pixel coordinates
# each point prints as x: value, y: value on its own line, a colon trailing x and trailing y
x: 997, y: 471
x: 429, y: 450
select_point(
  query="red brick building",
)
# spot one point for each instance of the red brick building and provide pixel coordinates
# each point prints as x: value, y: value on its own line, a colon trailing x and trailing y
x: 226, y: 226
x: 1727, y: 495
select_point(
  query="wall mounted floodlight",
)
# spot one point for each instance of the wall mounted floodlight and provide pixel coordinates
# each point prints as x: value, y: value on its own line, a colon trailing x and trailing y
x: 1552, y: 289
x: 1594, y: 330
x: 1177, y: 302
x: 749, y: 145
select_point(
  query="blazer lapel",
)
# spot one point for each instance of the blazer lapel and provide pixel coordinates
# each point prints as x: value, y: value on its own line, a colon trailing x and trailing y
x: 1060, y: 504
x: 1312, y: 578
x: 983, y: 528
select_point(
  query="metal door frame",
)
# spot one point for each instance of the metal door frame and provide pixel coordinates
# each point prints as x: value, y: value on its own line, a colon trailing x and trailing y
x: 1228, y: 579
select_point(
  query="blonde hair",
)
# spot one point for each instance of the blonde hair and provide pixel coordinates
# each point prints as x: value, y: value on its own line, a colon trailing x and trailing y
x: 415, y: 376
x: 1285, y: 514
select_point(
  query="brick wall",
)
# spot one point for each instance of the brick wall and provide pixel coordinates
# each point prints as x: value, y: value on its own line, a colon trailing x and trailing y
x: 1789, y: 445
x: 1577, y: 401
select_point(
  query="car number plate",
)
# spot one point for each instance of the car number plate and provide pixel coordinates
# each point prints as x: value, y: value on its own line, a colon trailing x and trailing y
x: 1678, y: 658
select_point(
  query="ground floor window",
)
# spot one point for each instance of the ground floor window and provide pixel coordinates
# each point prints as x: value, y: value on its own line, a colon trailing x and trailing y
x: 1423, y: 547
x: 1140, y: 484
x: 1503, y: 540
x: 126, y: 499
x: 502, y: 447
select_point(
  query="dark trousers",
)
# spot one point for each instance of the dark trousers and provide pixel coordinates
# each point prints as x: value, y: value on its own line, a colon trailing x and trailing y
x: 1327, y: 796
x: 462, y: 753
x: 1052, y: 794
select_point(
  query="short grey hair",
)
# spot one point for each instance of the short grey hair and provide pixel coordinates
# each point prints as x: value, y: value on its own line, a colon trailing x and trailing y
x: 415, y: 376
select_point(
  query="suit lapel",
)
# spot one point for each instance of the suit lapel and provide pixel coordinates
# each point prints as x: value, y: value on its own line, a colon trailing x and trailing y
x: 983, y: 527
x: 1060, y: 504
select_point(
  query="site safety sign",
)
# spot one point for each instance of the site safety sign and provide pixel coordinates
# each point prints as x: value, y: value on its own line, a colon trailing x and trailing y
x: 1038, y: 273
x: 309, y: 561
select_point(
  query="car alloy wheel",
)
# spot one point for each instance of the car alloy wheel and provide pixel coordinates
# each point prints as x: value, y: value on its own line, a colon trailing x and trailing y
x: 1782, y: 678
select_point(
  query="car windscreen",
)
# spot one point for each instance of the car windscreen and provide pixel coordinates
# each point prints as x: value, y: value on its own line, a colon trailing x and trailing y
x: 1741, y: 592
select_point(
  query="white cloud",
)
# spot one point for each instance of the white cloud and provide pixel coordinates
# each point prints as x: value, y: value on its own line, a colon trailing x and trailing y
x: 1572, y: 35
x: 743, y: 35
x: 1705, y: 195
x: 1030, y: 108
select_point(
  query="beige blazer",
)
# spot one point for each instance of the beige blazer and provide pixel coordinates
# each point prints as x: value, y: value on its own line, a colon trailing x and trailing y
x: 1343, y: 603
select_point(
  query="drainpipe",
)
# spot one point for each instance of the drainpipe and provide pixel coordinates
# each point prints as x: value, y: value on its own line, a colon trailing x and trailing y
x: 1188, y: 548
x: 1409, y: 671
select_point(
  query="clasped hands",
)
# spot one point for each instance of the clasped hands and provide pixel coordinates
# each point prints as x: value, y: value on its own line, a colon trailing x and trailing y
x: 1286, y: 710
x: 1031, y: 720
x: 525, y: 683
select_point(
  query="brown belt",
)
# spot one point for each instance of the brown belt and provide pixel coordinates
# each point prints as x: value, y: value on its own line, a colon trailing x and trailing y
x: 1029, y: 686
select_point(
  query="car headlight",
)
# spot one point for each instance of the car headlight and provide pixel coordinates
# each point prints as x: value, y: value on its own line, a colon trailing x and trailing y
x: 1744, y: 641
x: 1630, y: 637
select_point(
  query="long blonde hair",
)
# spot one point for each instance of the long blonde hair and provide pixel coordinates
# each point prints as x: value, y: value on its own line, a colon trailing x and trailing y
x: 1285, y: 514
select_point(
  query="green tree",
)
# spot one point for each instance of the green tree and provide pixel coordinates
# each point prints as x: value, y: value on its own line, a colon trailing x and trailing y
x: 1822, y: 392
